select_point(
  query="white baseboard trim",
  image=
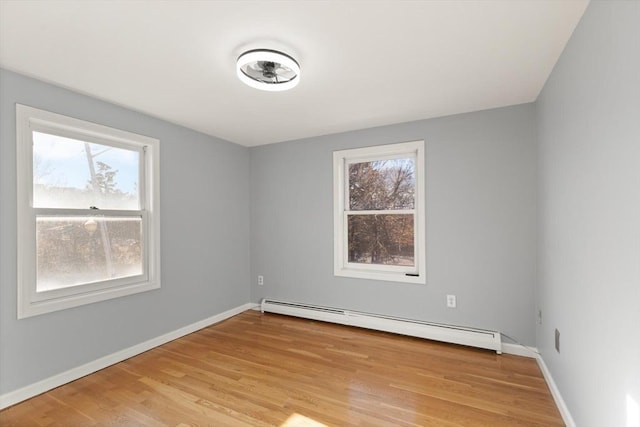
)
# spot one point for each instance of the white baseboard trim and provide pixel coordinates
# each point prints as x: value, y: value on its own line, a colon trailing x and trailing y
x: 11, y: 398
x: 519, y: 350
x: 555, y: 392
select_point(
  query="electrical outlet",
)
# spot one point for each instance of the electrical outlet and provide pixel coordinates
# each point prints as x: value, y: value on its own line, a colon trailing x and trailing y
x: 558, y: 341
x: 451, y: 301
x: 260, y: 280
x: 539, y: 317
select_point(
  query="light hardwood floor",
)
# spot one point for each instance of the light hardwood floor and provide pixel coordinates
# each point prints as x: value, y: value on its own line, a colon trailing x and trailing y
x: 270, y: 370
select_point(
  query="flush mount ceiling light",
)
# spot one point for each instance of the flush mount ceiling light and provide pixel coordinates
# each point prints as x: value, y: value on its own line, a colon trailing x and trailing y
x: 267, y: 69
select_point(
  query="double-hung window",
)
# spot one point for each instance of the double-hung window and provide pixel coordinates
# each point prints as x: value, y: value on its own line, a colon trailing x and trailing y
x: 88, y: 212
x: 379, y: 213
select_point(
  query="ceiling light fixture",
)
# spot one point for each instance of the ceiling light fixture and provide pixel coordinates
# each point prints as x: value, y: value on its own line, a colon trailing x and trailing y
x: 267, y: 69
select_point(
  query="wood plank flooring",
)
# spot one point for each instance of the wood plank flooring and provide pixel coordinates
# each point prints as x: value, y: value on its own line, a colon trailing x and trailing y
x: 270, y: 370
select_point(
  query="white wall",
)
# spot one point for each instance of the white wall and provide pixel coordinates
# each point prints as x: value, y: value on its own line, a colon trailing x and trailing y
x: 481, y: 222
x: 205, y: 242
x: 589, y: 204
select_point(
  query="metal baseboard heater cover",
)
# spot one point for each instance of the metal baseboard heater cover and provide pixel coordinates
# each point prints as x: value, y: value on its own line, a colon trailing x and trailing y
x: 480, y: 338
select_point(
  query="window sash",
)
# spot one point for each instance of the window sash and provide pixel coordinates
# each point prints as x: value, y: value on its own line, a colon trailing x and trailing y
x: 38, y: 125
x: 380, y: 212
x: 87, y: 212
x: 104, y: 284
x: 90, y: 287
x: 379, y: 267
x: 369, y: 159
x: 84, y: 135
x: 349, y: 212
x: 87, y: 287
x: 377, y: 158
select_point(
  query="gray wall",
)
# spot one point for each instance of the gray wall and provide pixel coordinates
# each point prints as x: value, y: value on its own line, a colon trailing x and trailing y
x: 481, y: 222
x: 578, y: 147
x: 589, y: 251
x: 205, y: 242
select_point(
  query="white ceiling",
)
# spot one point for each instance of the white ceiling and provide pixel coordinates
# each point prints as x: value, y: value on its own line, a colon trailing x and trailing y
x: 364, y: 63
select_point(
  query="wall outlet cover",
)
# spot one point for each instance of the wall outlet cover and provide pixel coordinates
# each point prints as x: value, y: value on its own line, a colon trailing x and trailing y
x: 451, y: 301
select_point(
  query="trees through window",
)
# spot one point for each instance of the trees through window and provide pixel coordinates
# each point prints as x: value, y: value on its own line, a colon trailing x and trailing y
x: 376, y: 236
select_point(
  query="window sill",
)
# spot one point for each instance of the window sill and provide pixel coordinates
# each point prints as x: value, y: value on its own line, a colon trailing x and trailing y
x: 381, y: 275
x: 27, y: 307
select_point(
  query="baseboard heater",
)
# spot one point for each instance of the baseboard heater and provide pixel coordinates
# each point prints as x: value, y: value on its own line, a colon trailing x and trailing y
x: 416, y: 328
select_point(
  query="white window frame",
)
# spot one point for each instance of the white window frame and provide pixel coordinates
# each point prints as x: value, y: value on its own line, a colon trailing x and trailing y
x: 342, y: 266
x: 31, y: 302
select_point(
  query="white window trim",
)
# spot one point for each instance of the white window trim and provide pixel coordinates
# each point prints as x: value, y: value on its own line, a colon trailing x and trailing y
x: 32, y: 303
x: 342, y: 267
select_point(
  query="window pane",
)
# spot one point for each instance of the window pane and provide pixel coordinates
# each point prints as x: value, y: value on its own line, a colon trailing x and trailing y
x: 79, y: 250
x: 68, y: 173
x: 381, y: 239
x: 384, y: 184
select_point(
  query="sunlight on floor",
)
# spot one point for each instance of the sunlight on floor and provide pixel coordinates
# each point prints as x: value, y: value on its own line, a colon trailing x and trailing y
x: 633, y: 412
x: 297, y: 420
